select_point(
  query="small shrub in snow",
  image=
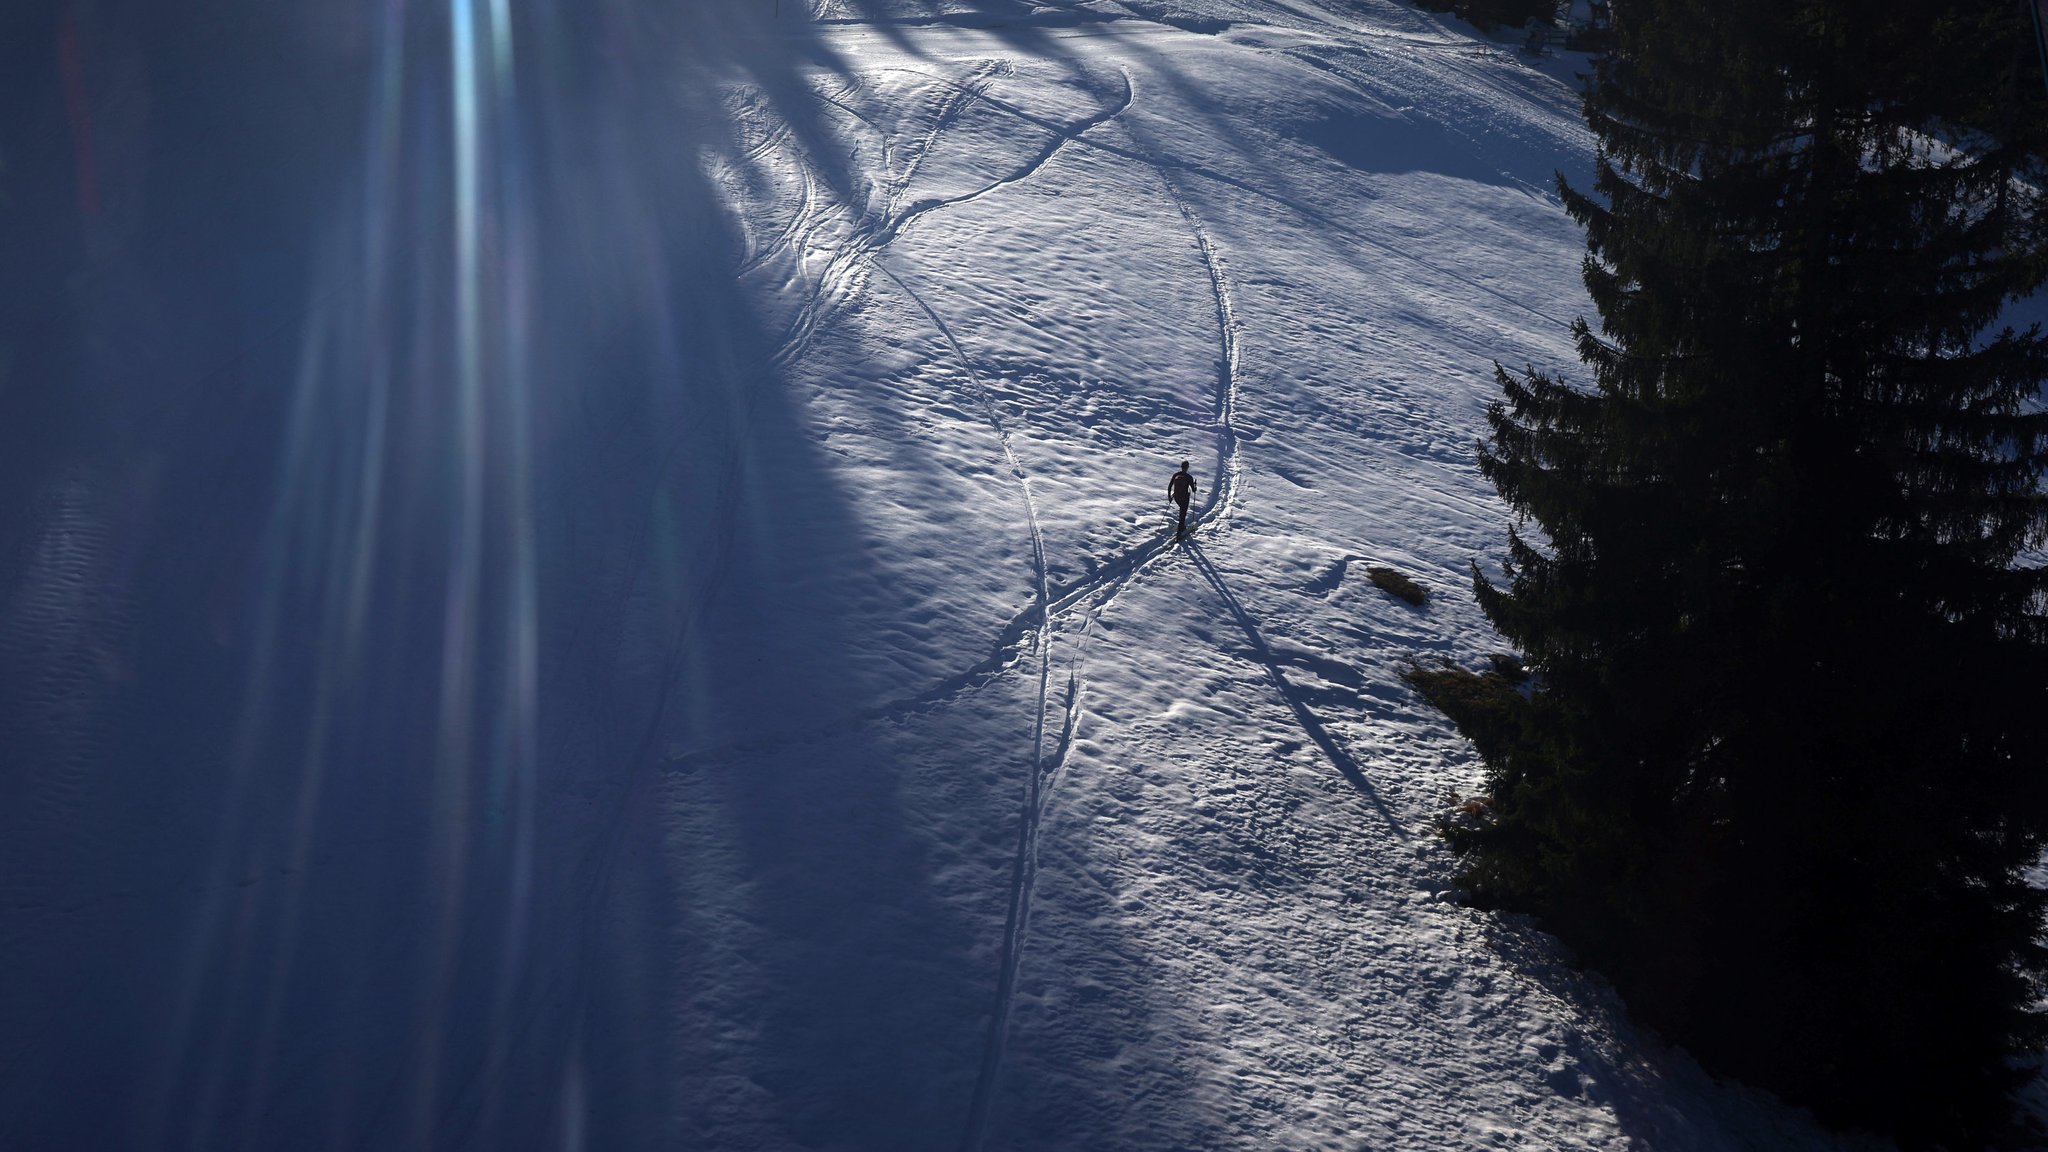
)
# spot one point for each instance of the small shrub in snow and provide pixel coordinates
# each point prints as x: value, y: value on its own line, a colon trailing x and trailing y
x: 1398, y: 586
x: 1508, y: 666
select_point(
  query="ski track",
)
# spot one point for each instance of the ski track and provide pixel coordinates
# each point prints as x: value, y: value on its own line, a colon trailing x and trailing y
x: 956, y: 104
x: 1024, y: 864
x: 1224, y: 493
x: 871, y: 235
x: 864, y: 249
x: 1222, y: 496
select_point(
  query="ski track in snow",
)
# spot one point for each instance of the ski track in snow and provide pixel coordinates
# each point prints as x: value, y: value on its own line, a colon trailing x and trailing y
x: 1025, y: 864
x: 866, y: 247
x: 1024, y: 867
x: 1042, y: 767
x: 874, y: 233
x: 1221, y: 497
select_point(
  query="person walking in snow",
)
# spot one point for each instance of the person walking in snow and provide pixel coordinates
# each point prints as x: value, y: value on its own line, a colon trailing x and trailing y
x: 1180, y: 490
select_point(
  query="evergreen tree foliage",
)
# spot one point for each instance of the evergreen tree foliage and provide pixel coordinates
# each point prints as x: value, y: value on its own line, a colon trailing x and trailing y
x: 1786, y: 763
x: 1488, y: 13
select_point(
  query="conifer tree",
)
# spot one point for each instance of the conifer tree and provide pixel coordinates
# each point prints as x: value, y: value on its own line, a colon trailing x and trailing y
x: 1489, y: 13
x: 1786, y: 762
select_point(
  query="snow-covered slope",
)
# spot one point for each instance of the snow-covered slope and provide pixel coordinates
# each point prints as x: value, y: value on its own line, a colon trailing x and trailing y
x: 613, y: 589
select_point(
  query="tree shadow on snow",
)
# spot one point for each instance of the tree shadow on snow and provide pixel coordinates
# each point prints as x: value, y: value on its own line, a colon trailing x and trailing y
x: 400, y: 481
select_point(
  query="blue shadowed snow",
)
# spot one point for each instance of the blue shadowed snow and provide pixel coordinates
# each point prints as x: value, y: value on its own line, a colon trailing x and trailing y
x: 400, y: 483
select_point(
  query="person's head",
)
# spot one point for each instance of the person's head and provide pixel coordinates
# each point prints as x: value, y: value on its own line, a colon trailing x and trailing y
x: 1183, y: 465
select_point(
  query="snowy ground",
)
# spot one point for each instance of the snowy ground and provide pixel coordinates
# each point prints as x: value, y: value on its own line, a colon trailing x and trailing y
x: 637, y: 609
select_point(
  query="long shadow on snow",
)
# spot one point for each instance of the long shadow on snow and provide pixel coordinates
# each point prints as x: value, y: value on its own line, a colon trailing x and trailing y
x: 357, y: 576
x: 1294, y: 697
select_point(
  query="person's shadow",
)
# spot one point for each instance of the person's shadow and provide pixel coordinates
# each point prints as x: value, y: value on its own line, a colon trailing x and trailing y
x: 1288, y: 692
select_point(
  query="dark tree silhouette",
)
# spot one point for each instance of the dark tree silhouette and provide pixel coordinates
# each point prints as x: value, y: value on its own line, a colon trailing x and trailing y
x: 1784, y: 764
x: 1487, y: 13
